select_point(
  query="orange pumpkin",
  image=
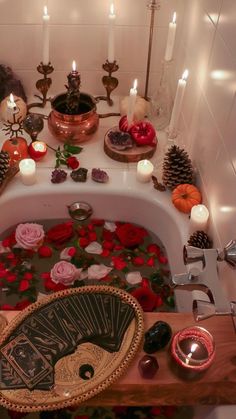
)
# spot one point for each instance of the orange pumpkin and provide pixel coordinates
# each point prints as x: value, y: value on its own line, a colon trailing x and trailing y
x: 185, y: 196
x: 17, y: 149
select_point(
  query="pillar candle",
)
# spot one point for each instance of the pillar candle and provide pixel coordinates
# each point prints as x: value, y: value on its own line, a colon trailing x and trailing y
x: 199, y: 218
x: 177, y: 104
x: 27, y: 171
x: 144, y: 171
x: 46, y: 19
x: 170, y: 39
x: 132, y: 100
x: 111, y: 40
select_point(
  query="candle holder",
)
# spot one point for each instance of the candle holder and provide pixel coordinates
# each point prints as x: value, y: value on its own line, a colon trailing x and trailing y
x: 43, y: 85
x: 152, y: 5
x: 162, y: 101
x: 109, y: 82
x: 192, y: 351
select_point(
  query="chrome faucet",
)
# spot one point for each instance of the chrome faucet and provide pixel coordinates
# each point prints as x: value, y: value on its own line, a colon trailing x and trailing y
x: 207, y: 275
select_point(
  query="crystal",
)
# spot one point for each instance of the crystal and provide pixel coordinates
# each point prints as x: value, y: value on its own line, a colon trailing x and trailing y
x: 120, y: 140
x: 58, y: 176
x: 99, y: 175
x: 79, y: 175
x: 157, y: 337
x: 148, y: 366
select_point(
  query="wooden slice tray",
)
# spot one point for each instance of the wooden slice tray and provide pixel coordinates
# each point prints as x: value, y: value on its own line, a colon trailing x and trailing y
x: 131, y: 155
x: 69, y: 388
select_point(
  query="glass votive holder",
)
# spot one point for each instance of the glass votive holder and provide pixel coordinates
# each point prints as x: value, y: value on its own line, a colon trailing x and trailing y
x: 192, y: 351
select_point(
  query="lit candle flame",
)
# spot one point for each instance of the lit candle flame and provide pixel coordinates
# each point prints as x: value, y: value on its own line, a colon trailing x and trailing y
x: 74, y: 65
x: 192, y: 350
x: 185, y: 75
x: 174, y: 18
x: 135, y: 84
x: 112, y: 9
x: 45, y: 11
x: 12, y: 99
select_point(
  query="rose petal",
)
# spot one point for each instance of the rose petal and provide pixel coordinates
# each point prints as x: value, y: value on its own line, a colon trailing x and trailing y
x: 110, y: 226
x: 4, y: 249
x: 65, y: 255
x: 98, y: 271
x: 134, y: 278
x: 94, y: 248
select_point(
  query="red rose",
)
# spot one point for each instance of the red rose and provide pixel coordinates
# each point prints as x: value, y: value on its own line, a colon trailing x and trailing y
x: 45, y: 252
x: 105, y: 253
x: 118, y: 263
x: 72, y: 162
x: 83, y: 242
x: 146, y: 298
x: 24, y: 285
x: 3, y: 273
x: 151, y: 261
x: 145, y: 283
x: 11, y: 277
x: 153, y: 248
x: 22, y: 304
x: 138, y: 261
x: 162, y: 259
x: 60, y: 233
x: 92, y: 236
x: 130, y: 235
x: 143, y: 133
x: 28, y: 276
x: 72, y: 251
x: 107, y: 245
x: 49, y: 285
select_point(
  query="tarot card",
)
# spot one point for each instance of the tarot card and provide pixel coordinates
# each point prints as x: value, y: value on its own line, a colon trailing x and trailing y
x: 26, y: 360
x: 79, y: 322
x: 82, y: 316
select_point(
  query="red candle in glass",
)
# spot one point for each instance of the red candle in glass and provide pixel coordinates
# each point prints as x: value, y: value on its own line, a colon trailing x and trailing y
x: 193, y: 349
x: 37, y: 150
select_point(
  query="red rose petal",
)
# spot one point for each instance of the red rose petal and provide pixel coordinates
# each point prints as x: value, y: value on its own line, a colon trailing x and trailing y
x: 7, y: 307
x: 24, y: 285
x: 92, y: 236
x: 83, y: 242
x: 151, y: 261
x: 154, y: 248
x: 105, y: 253
x: 45, y: 252
x: 108, y: 245
x: 22, y: 304
x: 28, y: 276
x: 138, y: 261
x: 145, y: 297
x: 72, y: 251
x: 82, y: 232
x: 11, y: 277
x: 162, y: 259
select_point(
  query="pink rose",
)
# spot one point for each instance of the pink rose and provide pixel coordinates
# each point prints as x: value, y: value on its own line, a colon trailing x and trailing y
x: 29, y: 235
x: 65, y: 273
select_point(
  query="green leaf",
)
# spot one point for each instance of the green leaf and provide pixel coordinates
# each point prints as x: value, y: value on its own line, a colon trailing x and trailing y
x: 57, y: 163
x: 72, y: 148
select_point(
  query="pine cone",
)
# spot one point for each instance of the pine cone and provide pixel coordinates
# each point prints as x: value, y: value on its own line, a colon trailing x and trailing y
x: 177, y: 168
x: 4, y: 165
x: 200, y: 239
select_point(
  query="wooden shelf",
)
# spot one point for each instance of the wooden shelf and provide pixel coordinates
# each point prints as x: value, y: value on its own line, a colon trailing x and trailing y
x: 216, y: 386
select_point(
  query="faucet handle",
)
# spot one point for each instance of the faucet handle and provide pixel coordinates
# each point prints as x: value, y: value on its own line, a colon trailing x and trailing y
x: 203, y: 309
x: 192, y: 254
x: 229, y: 254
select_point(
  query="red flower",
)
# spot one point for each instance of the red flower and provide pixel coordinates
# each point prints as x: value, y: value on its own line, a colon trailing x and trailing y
x: 3, y: 273
x: 60, y: 233
x: 107, y: 235
x: 24, y: 285
x: 10, y: 240
x: 11, y: 277
x: 151, y: 261
x: 162, y: 259
x: 130, y: 235
x: 146, y: 298
x: 92, y: 236
x: 107, y: 245
x: 72, y: 251
x: 45, y: 252
x: 7, y: 307
x: 90, y: 227
x: 51, y: 286
x: 72, y: 162
x: 118, y: 247
x: 138, y: 261
x: 22, y: 304
x: 45, y: 275
x: 118, y: 263
x: 83, y: 242
x: 154, y: 248
x: 105, y: 253
x: 28, y: 276
x: 145, y: 283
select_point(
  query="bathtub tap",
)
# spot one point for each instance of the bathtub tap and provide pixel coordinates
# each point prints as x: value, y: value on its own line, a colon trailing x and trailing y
x: 205, y: 273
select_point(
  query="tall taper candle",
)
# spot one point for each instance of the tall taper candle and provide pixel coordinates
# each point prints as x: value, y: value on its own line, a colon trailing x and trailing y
x: 46, y: 19
x: 111, y: 38
x: 171, y: 39
x: 132, y: 99
x: 173, y: 127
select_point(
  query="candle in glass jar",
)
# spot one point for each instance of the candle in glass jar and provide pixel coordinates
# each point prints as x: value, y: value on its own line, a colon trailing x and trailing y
x: 199, y: 218
x: 27, y: 171
x: 37, y: 150
x: 111, y: 36
x: 177, y: 105
x: 132, y: 100
x: 170, y: 39
x: 144, y: 171
x: 46, y: 19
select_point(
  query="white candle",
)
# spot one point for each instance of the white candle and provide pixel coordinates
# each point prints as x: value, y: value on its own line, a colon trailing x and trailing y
x: 170, y: 39
x: 46, y: 19
x: 132, y: 100
x: 27, y: 171
x: 111, y: 36
x: 144, y: 171
x: 199, y: 218
x: 173, y: 127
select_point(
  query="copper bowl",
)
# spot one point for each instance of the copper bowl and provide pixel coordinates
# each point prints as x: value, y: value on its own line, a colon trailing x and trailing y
x: 76, y: 128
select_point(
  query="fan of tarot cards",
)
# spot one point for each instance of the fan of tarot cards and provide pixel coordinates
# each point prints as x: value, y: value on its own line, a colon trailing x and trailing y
x: 68, y: 347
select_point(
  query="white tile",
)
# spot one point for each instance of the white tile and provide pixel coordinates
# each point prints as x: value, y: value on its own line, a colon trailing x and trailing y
x: 212, y: 7
x: 229, y: 134
x: 227, y: 24
x: 21, y: 12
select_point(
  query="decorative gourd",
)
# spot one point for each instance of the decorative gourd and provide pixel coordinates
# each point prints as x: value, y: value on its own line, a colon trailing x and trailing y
x: 17, y: 149
x: 6, y: 114
x: 185, y: 196
x: 141, y: 107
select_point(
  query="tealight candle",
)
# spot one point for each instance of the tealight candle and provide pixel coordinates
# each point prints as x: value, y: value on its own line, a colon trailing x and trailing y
x: 199, y: 218
x: 27, y: 171
x: 37, y: 150
x: 144, y: 171
x: 192, y: 350
x: 46, y: 19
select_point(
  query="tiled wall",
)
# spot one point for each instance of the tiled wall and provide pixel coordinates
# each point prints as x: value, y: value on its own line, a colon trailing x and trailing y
x: 79, y: 30
x: 208, y: 49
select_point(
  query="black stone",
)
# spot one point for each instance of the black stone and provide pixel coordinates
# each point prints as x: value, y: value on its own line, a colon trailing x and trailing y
x: 157, y: 337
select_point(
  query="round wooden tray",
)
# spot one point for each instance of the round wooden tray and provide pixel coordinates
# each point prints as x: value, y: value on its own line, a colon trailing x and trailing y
x: 69, y: 389
x: 131, y: 155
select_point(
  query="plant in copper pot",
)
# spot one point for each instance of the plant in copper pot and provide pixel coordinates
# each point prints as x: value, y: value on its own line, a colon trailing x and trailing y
x: 74, y: 115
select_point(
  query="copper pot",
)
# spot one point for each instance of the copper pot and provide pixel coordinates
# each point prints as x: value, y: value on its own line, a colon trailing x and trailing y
x: 76, y: 128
